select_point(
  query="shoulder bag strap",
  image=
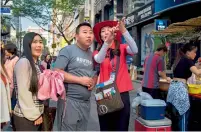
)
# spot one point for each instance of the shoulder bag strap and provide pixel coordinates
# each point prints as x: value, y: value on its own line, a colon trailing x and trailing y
x: 117, y: 67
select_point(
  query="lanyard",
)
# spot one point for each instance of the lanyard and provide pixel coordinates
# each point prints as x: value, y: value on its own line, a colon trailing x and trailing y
x: 113, y: 66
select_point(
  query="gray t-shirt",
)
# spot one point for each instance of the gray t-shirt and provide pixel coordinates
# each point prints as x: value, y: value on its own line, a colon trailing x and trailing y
x: 79, y: 63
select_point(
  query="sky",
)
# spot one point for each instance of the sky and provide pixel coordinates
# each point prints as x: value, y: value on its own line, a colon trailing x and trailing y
x: 26, y: 23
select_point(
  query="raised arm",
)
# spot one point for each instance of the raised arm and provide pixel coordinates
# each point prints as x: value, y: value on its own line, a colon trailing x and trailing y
x: 132, y: 47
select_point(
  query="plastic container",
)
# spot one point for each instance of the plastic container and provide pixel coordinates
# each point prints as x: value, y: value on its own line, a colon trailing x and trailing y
x: 152, y: 125
x: 194, y: 89
x: 153, y: 109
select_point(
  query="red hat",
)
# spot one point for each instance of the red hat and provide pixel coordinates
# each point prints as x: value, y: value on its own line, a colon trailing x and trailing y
x: 97, y: 29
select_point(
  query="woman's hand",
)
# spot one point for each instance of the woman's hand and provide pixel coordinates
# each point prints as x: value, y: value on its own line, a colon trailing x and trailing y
x: 38, y: 121
x: 121, y: 26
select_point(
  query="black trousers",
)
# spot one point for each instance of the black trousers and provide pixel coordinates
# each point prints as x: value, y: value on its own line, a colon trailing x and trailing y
x: 155, y: 93
x: 119, y: 120
x: 23, y: 124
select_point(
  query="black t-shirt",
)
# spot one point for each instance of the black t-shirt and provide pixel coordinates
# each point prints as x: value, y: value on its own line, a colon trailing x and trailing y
x: 182, y: 69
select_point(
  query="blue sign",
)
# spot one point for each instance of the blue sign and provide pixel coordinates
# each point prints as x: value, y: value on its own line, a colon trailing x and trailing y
x: 160, y: 24
x: 162, y: 5
x: 5, y: 10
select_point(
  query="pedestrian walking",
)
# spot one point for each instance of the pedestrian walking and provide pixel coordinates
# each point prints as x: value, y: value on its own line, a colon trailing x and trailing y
x: 109, y: 35
x: 75, y: 61
x: 11, y: 60
x: 28, y: 111
x: 5, y: 93
x: 154, y: 68
x: 178, y: 97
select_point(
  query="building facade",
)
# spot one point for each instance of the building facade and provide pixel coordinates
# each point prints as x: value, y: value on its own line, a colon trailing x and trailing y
x: 145, y: 18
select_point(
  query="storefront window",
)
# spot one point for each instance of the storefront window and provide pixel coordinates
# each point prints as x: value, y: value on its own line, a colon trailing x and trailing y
x: 111, y: 13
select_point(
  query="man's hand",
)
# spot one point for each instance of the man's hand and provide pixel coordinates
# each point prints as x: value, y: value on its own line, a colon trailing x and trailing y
x: 95, y: 78
x: 86, y: 81
x: 38, y: 121
x: 92, y: 86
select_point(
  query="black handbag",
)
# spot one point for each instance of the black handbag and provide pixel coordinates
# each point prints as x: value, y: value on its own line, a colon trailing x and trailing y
x: 113, y: 102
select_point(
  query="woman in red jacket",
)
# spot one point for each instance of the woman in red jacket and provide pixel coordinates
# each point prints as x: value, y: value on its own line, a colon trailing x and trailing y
x: 108, y: 34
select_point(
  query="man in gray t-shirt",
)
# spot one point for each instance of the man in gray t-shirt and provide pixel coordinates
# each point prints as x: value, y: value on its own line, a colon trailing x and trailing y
x: 75, y: 61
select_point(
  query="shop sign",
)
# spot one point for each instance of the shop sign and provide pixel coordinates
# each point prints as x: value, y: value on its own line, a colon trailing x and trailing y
x: 5, y: 10
x: 140, y: 14
x: 160, y: 24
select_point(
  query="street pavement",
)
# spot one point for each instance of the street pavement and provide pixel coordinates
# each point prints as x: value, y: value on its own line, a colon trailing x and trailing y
x: 93, y: 124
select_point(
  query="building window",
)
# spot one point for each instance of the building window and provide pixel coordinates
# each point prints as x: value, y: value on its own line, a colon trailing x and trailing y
x: 119, y: 6
x: 106, y: 12
x: 136, y: 4
x: 111, y: 13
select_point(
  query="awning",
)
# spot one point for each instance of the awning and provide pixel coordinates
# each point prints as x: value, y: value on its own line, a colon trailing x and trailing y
x: 182, y: 32
x: 193, y: 24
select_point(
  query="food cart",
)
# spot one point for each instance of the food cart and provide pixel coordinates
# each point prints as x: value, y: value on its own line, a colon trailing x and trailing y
x: 183, y: 32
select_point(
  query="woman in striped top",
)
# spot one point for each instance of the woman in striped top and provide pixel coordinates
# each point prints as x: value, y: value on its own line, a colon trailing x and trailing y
x: 28, y: 110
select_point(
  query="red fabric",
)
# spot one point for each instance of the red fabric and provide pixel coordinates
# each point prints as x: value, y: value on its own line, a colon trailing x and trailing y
x: 97, y: 30
x: 124, y: 82
x: 3, y: 78
x: 196, y: 95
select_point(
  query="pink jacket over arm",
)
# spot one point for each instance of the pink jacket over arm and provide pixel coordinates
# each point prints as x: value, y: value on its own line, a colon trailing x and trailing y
x: 51, y: 85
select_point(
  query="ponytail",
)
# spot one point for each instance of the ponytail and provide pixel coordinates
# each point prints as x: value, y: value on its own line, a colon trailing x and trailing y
x: 180, y: 54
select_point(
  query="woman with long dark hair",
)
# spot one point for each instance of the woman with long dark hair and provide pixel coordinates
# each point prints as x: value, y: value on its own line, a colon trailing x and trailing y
x: 108, y: 34
x: 178, y: 98
x: 28, y: 110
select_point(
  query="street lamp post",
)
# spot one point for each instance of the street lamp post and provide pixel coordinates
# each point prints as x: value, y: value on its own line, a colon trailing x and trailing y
x: 20, y: 34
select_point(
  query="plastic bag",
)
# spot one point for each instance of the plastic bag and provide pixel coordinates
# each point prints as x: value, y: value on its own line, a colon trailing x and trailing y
x: 145, y: 95
x: 136, y: 102
x: 192, y: 79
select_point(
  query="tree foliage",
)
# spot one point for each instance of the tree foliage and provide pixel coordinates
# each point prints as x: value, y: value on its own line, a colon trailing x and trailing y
x: 44, y: 41
x: 46, y: 12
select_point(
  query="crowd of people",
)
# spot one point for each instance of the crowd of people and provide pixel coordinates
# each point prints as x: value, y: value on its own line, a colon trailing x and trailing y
x: 82, y: 70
